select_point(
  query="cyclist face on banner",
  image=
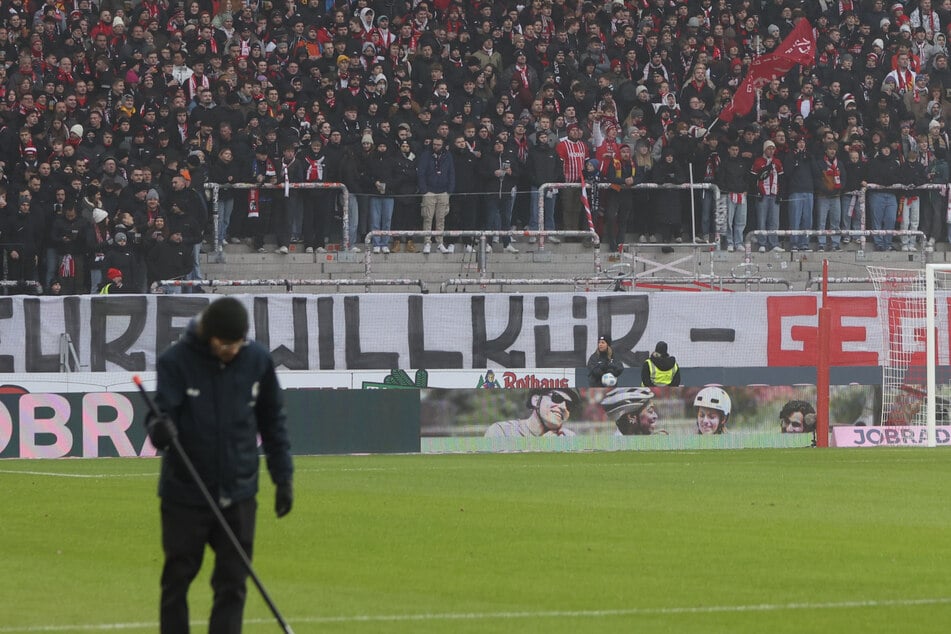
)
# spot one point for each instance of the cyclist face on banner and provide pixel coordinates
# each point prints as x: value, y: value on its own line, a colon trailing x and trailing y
x: 553, y: 409
x: 709, y: 421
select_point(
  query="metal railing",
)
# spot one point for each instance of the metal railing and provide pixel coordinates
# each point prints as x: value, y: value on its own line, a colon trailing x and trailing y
x: 481, y: 250
x: 287, y: 187
x: 718, y: 207
x: 920, y: 237
x: 290, y: 284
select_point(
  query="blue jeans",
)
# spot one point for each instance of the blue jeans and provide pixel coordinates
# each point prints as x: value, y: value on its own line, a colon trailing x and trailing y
x: 883, y: 209
x: 295, y: 215
x: 767, y: 219
x: 830, y: 211
x: 549, y: 211
x: 353, y: 218
x: 381, y: 217
x: 225, y: 208
x: 498, y: 211
x: 707, y: 211
x: 736, y: 220
x: 800, y: 218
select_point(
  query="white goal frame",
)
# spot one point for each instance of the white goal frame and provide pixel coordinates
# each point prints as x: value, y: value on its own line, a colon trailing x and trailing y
x: 931, y: 357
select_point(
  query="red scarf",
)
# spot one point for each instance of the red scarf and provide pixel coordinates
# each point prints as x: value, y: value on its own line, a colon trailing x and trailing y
x: 832, y: 171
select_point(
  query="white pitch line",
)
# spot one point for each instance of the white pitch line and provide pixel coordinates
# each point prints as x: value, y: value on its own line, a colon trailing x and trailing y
x: 495, y: 616
x: 53, y: 474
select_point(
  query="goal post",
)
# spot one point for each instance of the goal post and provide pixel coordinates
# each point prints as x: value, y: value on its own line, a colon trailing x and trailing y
x: 913, y: 310
x: 932, y: 272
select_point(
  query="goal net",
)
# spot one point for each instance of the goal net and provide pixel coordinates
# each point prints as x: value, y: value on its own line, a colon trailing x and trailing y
x: 913, y: 309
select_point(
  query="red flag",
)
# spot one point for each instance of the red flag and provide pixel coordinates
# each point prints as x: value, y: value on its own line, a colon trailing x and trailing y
x: 587, y: 205
x: 799, y: 47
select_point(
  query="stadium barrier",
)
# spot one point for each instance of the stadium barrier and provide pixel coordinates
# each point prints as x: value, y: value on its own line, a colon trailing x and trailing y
x: 920, y: 237
x: 482, y: 235
x: 719, y: 204
x: 287, y: 187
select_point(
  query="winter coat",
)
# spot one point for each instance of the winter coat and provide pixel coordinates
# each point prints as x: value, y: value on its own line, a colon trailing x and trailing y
x: 667, y: 202
x: 169, y: 260
x: 490, y: 163
x: 467, y: 170
x: 599, y: 363
x: 544, y: 165
x: 436, y: 175
x: 733, y: 175
x: 219, y: 410
x: 801, y: 173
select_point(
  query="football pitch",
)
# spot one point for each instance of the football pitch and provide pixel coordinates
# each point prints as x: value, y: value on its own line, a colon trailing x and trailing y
x: 795, y: 540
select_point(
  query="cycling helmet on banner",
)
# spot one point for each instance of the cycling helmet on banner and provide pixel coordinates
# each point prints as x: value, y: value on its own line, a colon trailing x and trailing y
x: 714, y: 397
x: 626, y: 400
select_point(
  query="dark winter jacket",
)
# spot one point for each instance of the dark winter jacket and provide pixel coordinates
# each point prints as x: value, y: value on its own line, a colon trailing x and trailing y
x: 466, y: 165
x: 169, y: 260
x: 600, y: 363
x: 436, y: 174
x: 883, y: 170
x: 219, y: 409
x: 733, y: 175
x: 801, y: 173
x: 492, y: 162
x: 544, y: 165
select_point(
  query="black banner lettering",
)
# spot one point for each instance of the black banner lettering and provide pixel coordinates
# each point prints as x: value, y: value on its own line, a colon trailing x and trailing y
x: 6, y: 312
x: 623, y: 345
x: 419, y: 357
x: 484, y: 349
x: 134, y: 308
x: 356, y: 358
x: 545, y: 357
x: 295, y: 359
x: 325, y: 333
x: 169, y: 307
x: 36, y: 361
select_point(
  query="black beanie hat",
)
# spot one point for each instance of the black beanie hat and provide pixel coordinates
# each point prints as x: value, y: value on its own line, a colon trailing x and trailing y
x: 661, y: 347
x: 226, y: 319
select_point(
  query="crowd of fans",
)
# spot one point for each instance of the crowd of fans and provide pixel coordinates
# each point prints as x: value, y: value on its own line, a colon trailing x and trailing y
x: 442, y: 114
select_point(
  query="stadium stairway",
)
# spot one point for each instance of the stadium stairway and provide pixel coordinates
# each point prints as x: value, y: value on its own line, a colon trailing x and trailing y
x: 566, y: 267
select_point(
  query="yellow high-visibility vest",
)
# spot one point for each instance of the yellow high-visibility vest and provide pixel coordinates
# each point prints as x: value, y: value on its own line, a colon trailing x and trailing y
x: 661, y: 377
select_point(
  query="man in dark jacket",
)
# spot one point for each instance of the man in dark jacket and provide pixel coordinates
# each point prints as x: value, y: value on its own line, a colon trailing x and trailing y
x: 437, y: 179
x: 189, y: 216
x: 733, y: 180
x: 660, y: 368
x: 168, y: 260
x: 543, y: 166
x: 70, y: 239
x: 801, y: 175
x: 217, y: 392
x: 464, y: 208
x: 499, y: 171
x: 381, y: 172
x: 883, y: 171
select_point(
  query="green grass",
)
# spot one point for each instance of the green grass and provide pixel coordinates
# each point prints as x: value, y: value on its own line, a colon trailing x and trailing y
x: 751, y: 541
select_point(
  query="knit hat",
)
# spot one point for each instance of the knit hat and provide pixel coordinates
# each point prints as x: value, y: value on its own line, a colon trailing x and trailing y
x: 152, y: 195
x: 77, y: 130
x: 367, y: 138
x: 661, y: 347
x: 113, y: 274
x: 605, y: 338
x: 121, y: 237
x: 98, y: 215
x: 226, y: 319
x: 768, y: 144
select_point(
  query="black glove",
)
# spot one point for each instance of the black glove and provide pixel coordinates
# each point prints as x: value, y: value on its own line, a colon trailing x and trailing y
x: 161, y: 431
x: 284, y: 498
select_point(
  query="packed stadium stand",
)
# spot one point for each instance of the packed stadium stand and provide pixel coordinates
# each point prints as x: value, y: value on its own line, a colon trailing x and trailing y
x: 154, y: 146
